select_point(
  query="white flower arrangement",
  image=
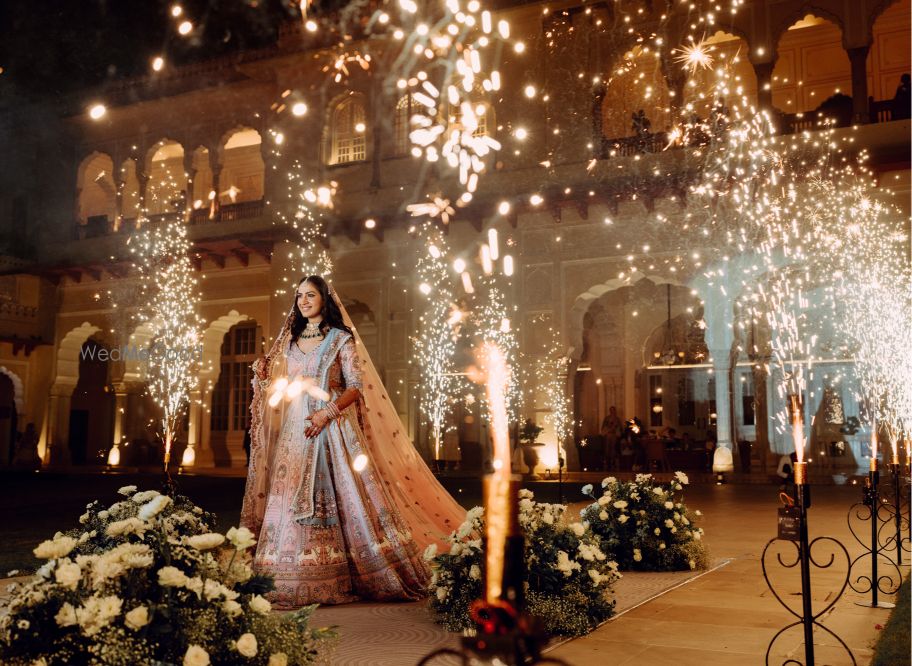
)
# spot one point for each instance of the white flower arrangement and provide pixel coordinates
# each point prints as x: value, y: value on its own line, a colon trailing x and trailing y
x: 146, y: 581
x: 568, y: 577
x: 661, y: 537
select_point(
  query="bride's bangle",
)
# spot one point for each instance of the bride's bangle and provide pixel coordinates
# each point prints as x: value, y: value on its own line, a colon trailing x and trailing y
x: 333, y: 410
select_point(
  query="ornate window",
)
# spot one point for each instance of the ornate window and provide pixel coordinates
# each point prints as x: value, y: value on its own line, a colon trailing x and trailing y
x: 232, y: 393
x: 348, y: 141
x: 402, y: 125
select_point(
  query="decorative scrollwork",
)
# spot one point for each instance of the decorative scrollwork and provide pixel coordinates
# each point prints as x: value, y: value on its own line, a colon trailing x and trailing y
x: 881, y: 539
x: 819, y: 560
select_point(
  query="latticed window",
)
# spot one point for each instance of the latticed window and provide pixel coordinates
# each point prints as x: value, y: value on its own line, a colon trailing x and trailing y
x: 232, y: 393
x: 484, y: 116
x: 402, y: 125
x: 348, y: 139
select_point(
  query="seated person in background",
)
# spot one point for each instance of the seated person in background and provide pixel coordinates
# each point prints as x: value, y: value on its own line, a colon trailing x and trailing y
x: 670, y: 437
x: 902, y: 99
x: 687, y: 442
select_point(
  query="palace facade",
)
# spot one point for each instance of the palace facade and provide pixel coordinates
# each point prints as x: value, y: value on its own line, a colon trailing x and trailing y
x: 201, y: 144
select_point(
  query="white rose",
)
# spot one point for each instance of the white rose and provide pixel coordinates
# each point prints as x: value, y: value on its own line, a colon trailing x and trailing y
x: 247, y: 645
x: 693, y: 565
x: 682, y: 478
x: 578, y: 529
x: 232, y: 607
x: 66, y: 616
x: 620, y: 504
x: 126, y: 490
x: 195, y: 585
x: 145, y: 496
x: 608, y: 480
x: 138, y: 617
x: 669, y: 523
x: 59, y: 546
x: 126, y: 526
x: 196, y: 656
x: 474, y: 572
x: 441, y: 593
x: 587, y: 489
x: 103, y: 515
x: 455, y: 549
x: 657, y: 531
x: 241, y: 538
x: 696, y: 536
x: 260, y: 605
x: 154, y: 507
x: 698, y: 513
x: 603, y: 515
x: 658, y: 491
x: 604, y: 500
x: 669, y: 505
x: 547, y: 518
x: 662, y: 546
x: 430, y: 552
x: 171, y: 577
x: 685, y: 520
x: 525, y: 494
x: 623, y: 518
x: 68, y: 574
x: 674, y: 530
x: 278, y: 659
x: 206, y: 541
x: 637, y: 555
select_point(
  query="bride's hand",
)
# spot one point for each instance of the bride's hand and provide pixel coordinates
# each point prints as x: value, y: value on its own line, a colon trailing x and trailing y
x: 318, y: 421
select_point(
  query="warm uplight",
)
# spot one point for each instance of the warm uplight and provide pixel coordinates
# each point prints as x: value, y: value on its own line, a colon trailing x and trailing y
x: 299, y: 109
x: 97, y: 112
x: 370, y: 223
x: 158, y: 63
x: 189, y: 457
x: 185, y: 28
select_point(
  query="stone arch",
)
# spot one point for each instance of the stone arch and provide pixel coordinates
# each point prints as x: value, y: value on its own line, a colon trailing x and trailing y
x: 140, y: 339
x: 809, y: 37
x: 18, y: 391
x: 888, y: 57
x: 68, y: 352
x: 582, y: 303
x: 798, y: 14
x: 624, y: 95
x: 241, y: 164
x: 166, y: 188
x: 730, y: 48
x: 97, y: 192
x: 212, y: 347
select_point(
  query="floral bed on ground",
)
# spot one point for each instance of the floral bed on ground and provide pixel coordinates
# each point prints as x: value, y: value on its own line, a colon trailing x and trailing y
x: 568, y: 578
x: 645, y: 526
x: 145, y: 581
x: 640, y: 525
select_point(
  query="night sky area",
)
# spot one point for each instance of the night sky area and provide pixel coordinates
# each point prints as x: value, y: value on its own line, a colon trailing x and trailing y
x: 54, y: 49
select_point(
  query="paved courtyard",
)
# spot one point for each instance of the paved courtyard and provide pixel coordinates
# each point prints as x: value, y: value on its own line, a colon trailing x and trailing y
x: 725, y: 615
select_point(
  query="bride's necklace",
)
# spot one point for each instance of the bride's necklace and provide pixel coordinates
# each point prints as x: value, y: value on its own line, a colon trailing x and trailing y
x: 311, y: 332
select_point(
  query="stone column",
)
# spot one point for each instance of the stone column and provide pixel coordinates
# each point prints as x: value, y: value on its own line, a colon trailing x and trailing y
x: 58, y: 452
x: 858, y: 57
x: 571, y: 459
x: 205, y: 456
x: 719, y: 339
x: 143, y: 179
x: 190, y: 173
x: 722, y: 460
x: 764, y: 72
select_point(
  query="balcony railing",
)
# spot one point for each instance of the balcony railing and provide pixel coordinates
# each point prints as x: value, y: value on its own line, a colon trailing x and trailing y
x: 101, y: 225
x: 788, y: 123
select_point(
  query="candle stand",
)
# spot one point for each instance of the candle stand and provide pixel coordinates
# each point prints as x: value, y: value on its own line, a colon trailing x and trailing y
x: 878, y: 514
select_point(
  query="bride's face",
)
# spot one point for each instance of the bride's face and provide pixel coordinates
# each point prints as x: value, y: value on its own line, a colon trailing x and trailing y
x: 310, y: 302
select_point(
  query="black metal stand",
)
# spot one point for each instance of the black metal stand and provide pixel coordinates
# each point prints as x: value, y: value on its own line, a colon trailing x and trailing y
x: 900, y: 514
x: 797, y: 536
x: 879, y: 514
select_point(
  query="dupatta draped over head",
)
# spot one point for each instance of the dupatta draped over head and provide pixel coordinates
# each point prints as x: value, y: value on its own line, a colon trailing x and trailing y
x: 426, y: 508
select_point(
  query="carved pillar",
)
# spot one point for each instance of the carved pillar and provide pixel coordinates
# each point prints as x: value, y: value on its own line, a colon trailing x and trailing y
x: 722, y: 459
x: 58, y: 452
x: 858, y: 57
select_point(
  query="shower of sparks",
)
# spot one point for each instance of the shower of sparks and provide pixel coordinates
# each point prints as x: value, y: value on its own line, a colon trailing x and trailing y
x: 493, y: 318
x: 439, y: 325
x: 551, y: 382
x: 169, y: 304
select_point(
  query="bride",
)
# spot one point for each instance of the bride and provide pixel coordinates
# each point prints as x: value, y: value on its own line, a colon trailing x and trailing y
x: 340, y: 502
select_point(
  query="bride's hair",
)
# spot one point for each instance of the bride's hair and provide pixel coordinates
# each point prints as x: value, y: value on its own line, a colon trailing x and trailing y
x: 332, y: 316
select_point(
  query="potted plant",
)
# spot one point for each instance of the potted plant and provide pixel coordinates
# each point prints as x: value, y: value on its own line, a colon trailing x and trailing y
x: 527, y: 436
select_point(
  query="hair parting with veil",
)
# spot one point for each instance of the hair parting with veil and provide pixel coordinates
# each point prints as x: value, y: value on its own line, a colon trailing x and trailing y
x: 428, y: 510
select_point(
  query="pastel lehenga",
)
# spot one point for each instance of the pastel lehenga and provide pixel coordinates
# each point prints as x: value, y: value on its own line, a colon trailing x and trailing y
x: 326, y: 531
